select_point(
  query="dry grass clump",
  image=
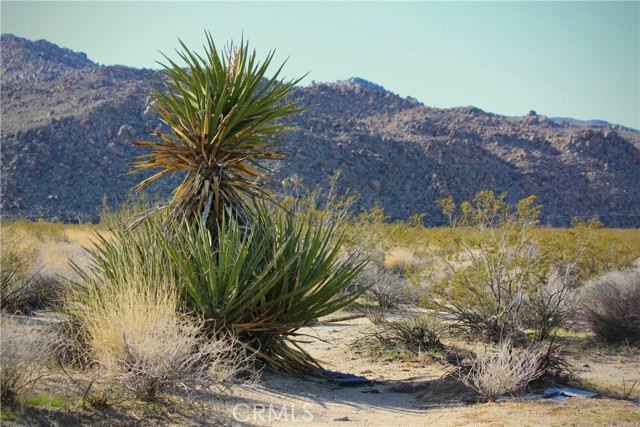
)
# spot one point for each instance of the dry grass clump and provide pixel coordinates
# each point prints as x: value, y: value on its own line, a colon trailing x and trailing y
x: 611, y: 306
x: 137, y: 338
x: 505, y: 370
x: 24, y: 359
x: 399, y: 261
x: 22, y: 286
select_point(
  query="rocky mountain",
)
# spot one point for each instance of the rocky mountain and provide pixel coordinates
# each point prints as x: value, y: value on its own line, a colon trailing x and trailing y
x: 66, y: 123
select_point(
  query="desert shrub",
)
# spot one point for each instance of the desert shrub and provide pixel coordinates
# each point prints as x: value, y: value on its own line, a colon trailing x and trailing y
x: 410, y: 336
x: 135, y: 335
x: 24, y: 359
x: 399, y: 261
x: 610, y: 306
x: 497, y: 281
x: 23, y: 287
x: 549, y: 303
x: 385, y: 289
x: 504, y: 370
x: 416, y: 334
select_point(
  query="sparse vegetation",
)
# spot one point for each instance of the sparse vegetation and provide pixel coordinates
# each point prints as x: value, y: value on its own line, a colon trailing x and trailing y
x: 23, y: 287
x: 498, y: 282
x: 25, y: 359
x: 412, y: 336
x: 220, y: 281
x: 611, y: 307
x: 504, y: 370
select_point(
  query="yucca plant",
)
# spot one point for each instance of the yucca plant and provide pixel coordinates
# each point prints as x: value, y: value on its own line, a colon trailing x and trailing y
x: 223, y: 119
x: 256, y: 273
x: 260, y: 286
x: 267, y: 284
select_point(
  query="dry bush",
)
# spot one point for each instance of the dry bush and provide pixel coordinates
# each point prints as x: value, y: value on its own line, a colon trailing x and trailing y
x: 416, y: 335
x: 399, y: 261
x: 23, y: 288
x: 385, y: 289
x: 137, y: 339
x: 550, y: 302
x: 24, y: 359
x: 610, y: 306
x: 505, y: 370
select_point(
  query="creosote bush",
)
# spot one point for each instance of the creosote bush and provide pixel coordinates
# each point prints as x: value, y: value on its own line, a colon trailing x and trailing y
x: 498, y: 280
x: 610, y: 305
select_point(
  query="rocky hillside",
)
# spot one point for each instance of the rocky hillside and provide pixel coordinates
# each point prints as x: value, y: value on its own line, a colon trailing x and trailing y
x: 66, y: 123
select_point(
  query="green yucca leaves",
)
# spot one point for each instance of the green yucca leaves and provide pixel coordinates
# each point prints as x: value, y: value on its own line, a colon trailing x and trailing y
x: 263, y: 284
x: 266, y: 284
x: 223, y: 115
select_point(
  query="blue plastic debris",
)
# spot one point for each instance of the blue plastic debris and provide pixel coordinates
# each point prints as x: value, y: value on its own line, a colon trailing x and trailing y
x: 557, y: 394
x: 568, y: 392
x: 345, y: 380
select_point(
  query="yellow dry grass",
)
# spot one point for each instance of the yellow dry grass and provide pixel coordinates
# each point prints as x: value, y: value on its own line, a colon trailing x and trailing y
x: 399, y: 259
x: 135, y: 317
x: 54, y: 245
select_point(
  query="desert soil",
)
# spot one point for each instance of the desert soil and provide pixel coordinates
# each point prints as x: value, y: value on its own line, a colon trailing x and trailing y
x: 410, y: 393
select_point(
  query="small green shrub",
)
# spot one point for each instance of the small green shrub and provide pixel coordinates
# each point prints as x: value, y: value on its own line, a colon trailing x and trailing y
x: 497, y: 281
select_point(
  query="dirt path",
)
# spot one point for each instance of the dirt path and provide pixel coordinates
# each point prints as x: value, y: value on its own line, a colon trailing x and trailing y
x: 408, y: 394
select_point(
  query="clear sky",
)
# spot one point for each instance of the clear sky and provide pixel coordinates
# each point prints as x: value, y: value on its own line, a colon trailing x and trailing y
x: 575, y: 59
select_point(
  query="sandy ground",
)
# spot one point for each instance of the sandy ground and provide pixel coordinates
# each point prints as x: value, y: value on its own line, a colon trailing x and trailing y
x: 409, y: 393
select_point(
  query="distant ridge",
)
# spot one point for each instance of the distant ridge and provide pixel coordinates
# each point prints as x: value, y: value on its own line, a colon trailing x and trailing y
x: 66, y: 122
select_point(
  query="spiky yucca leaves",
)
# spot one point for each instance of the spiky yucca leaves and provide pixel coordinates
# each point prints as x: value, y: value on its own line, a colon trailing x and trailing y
x: 260, y: 285
x: 266, y: 285
x: 223, y: 119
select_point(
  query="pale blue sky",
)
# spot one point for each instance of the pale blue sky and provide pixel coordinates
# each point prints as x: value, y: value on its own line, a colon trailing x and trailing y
x: 577, y: 59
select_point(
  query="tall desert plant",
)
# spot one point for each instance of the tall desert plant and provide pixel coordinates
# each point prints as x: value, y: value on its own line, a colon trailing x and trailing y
x: 223, y: 119
x: 260, y: 286
x: 489, y: 275
x: 264, y: 286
